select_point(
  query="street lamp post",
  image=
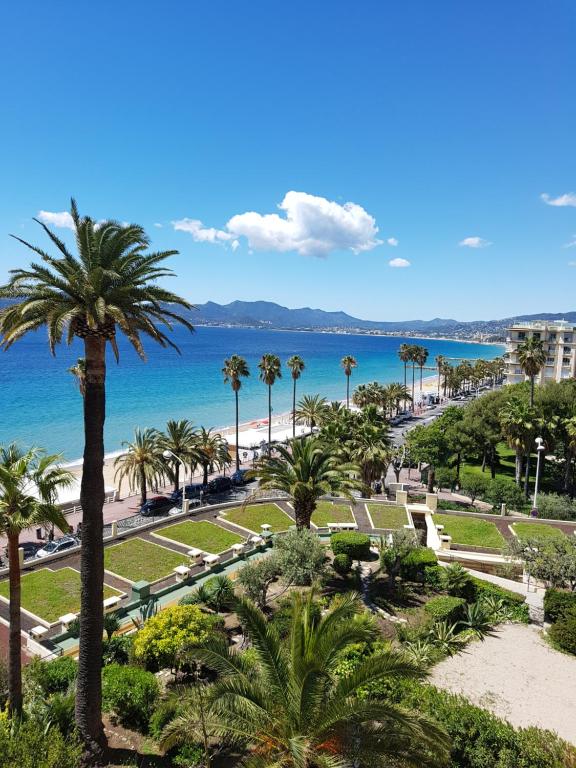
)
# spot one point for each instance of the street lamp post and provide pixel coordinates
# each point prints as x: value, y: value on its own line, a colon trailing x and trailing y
x: 539, y: 448
x: 171, y: 455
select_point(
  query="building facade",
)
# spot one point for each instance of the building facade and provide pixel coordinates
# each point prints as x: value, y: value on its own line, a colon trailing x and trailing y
x: 559, y: 341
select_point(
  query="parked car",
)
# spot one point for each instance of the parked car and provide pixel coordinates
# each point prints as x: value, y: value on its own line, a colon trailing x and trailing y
x: 58, y: 545
x: 193, y: 491
x: 155, y: 506
x: 30, y: 548
x: 239, y: 477
x: 219, y: 485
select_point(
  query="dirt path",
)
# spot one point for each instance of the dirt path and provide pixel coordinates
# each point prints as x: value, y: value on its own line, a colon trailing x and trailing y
x: 516, y: 675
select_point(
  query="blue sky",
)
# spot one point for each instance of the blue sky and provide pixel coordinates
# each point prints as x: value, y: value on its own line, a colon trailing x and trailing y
x: 439, y: 122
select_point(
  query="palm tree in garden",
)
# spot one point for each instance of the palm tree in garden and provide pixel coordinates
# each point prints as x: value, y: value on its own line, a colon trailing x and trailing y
x: 421, y: 360
x: 370, y: 450
x: 110, y: 284
x: 312, y: 409
x: 212, y: 452
x: 296, y: 365
x: 532, y: 358
x: 78, y: 370
x: 180, y: 438
x: 404, y: 353
x: 235, y: 369
x: 29, y: 485
x: 142, y: 464
x: 306, y: 470
x: 270, y: 370
x: 519, y: 426
x: 289, y: 708
x: 348, y: 363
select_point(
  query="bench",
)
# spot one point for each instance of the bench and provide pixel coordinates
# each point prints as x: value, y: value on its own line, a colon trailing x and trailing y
x: 66, y: 620
x: 38, y: 632
x: 182, y: 572
x: 343, y: 526
x: 210, y: 561
x: 110, y: 603
x: 265, y: 527
x: 195, y: 554
x: 237, y: 548
x: 256, y: 541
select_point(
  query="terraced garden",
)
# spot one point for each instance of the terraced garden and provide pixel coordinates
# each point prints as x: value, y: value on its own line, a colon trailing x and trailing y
x: 201, y: 534
x: 253, y: 516
x: 388, y: 517
x: 140, y: 560
x: 471, y: 531
x: 328, y: 512
x: 536, y: 531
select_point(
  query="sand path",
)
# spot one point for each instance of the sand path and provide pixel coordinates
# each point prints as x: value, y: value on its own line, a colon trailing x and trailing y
x: 516, y: 675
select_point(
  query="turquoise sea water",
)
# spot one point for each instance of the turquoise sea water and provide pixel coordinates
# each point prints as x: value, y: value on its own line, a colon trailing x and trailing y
x: 40, y: 405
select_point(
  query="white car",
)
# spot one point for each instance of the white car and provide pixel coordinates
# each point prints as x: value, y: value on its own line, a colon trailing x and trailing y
x: 58, y: 545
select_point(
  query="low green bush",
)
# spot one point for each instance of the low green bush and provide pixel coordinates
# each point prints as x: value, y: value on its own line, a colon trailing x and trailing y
x: 563, y: 632
x: 553, y: 506
x: 26, y: 745
x: 445, y: 608
x: 117, y: 650
x: 514, y: 602
x: 503, y: 491
x: 189, y: 756
x: 342, y: 564
x: 52, y: 676
x: 131, y: 694
x: 282, y: 616
x: 164, y: 713
x: 557, y: 603
x: 413, y: 566
x: 355, y: 545
x: 434, y: 577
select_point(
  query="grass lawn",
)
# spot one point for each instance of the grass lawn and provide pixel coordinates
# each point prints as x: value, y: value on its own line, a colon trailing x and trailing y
x: 51, y: 594
x: 202, y: 534
x: 137, y: 560
x: 536, y: 531
x: 254, y: 515
x: 474, y: 532
x: 391, y: 517
x: 327, y: 512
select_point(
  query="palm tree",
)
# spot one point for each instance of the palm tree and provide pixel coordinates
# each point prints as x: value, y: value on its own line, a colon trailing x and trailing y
x: 29, y: 485
x: 212, y: 451
x: 312, y: 409
x: 413, y: 351
x: 348, y: 363
x: 235, y: 369
x: 421, y: 359
x: 289, y: 708
x: 78, y: 370
x: 270, y: 370
x: 110, y: 284
x: 180, y: 438
x: 440, y: 361
x: 532, y: 358
x: 142, y: 463
x: 518, y: 423
x: 296, y: 365
x: 370, y: 449
x: 306, y: 470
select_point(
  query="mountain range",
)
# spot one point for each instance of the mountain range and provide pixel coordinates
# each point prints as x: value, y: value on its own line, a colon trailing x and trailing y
x: 267, y: 314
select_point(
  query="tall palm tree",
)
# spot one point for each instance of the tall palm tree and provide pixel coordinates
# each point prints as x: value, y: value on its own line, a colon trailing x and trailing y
x: 306, y: 470
x: 369, y: 449
x: 532, y: 358
x: 235, y: 369
x: 439, y: 360
x: 348, y: 363
x: 289, y: 708
x: 78, y: 370
x: 421, y: 360
x: 29, y: 485
x: 212, y: 451
x: 180, y: 438
x: 110, y: 284
x: 413, y: 351
x: 142, y: 463
x: 296, y: 365
x: 312, y: 409
x: 404, y: 353
x: 397, y: 393
x: 270, y: 370
x: 518, y: 422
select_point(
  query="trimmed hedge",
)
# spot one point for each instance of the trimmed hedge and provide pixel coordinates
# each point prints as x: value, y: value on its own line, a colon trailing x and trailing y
x: 355, y: 545
x: 342, y: 564
x: 413, y: 566
x: 493, y: 590
x: 52, y: 676
x: 557, y: 604
x: 445, y: 608
x: 131, y: 694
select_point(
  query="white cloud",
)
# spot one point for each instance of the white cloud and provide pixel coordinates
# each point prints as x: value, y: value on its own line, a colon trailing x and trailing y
x: 312, y: 226
x: 200, y: 233
x: 570, y: 243
x: 399, y: 263
x: 62, y: 219
x: 157, y: 225
x: 474, y: 242
x: 234, y: 244
x: 568, y: 199
x: 392, y: 241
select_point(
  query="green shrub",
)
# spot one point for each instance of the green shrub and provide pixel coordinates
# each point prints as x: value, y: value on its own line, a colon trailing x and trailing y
x: 52, y: 676
x: 130, y: 694
x: 282, y: 616
x: 342, y: 564
x: 514, y: 602
x: 553, y: 506
x: 434, y: 577
x: 558, y: 603
x: 458, y: 582
x: 355, y: 545
x: 164, y: 713
x: 189, y: 756
x: 563, y: 632
x: 445, y: 608
x: 25, y: 745
x: 474, y: 485
x: 413, y: 566
x: 301, y: 557
x: 117, y: 649
x: 502, y: 491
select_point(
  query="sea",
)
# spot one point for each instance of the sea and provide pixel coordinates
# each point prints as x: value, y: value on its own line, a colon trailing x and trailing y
x: 40, y: 404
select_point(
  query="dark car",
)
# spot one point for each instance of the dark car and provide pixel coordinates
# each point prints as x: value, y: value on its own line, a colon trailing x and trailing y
x: 219, y: 485
x: 193, y: 491
x: 155, y: 506
x: 30, y: 548
x: 239, y: 477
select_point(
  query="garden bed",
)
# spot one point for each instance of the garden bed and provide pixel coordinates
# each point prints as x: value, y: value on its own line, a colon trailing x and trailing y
x: 388, y: 517
x: 255, y: 515
x: 536, y: 531
x: 327, y: 512
x: 140, y: 560
x: 471, y: 531
x: 201, y: 534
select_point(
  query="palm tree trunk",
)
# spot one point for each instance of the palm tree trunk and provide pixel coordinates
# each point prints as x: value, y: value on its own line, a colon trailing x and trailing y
x: 518, y: 466
x: 237, y: 432
x: 15, y: 640
x: 176, y: 476
x: 269, y: 418
x: 405, y: 386
x: 413, y: 370
x: 142, y: 485
x: 89, y: 686
x: 527, y: 476
x: 347, y: 390
x: 531, y: 391
x: 205, y: 474
x: 294, y: 408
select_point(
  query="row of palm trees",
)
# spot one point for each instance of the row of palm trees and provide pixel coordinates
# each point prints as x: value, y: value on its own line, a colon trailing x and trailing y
x: 389, y: 397
x: 466, y: 375
x: 418, y: 356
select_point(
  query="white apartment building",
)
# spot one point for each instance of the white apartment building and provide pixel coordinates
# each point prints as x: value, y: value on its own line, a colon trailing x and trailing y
x: 559, y: 341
